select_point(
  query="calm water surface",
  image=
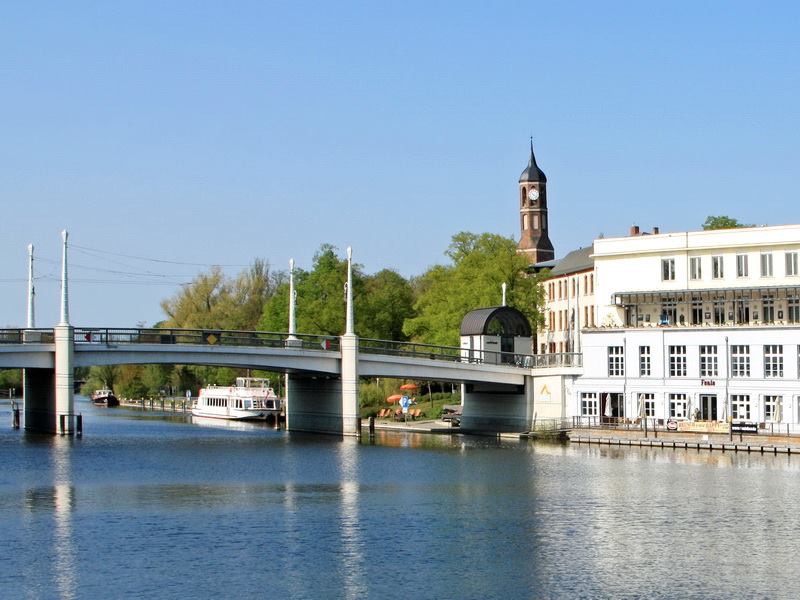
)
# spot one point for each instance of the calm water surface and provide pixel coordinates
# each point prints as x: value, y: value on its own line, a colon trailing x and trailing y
x: 149, y: 506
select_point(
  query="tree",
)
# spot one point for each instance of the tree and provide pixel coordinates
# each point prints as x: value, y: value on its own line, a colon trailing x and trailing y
x: 213, y: 301
x: 388, y: 300
x: 481, y: 264
x: 382, y: 301
x: 722, y: 222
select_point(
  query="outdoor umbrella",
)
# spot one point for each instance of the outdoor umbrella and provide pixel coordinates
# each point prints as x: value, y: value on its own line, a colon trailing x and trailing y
x: 409, y: 386
x: 394, y: 398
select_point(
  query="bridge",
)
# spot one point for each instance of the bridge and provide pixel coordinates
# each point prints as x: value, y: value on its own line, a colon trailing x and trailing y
x: 322, y: 372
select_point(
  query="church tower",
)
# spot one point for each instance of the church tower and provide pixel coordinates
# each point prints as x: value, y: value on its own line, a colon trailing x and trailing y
x: 534, y: 242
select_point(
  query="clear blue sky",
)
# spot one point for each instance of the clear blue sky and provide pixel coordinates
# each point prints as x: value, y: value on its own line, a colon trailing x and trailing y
x: 214, y: 133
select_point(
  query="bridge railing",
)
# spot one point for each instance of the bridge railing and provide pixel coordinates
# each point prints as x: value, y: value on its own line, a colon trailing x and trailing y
x: 206, y: 337
x: 457, y: 354
x: 26, y: 336
x: 371, y: 346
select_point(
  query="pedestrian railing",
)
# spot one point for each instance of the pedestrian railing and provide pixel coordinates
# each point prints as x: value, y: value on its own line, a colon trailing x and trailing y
x: 113, y: 336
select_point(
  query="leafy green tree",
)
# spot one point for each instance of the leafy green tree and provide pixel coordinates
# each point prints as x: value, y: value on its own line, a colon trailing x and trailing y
x: 722, y: 222
x: 11, y: 378
x: 481, y: 263
x: 213, y: 301
x: 99, y: 377
x: 388, y: 300
x: 382, y: 301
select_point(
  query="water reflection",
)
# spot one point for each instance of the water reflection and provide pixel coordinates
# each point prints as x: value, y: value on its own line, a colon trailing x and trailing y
x: 353, y: 564
x: 63, y: 506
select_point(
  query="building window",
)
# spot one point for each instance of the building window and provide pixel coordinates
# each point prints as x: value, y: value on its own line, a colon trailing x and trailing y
x: 524, y: 222
x: 695, y: 272
x: 740, y: 406
x: 644, y: 361
x: 768, y: 309
x: 771, y: 408
x: 741, y: 265
x: 773, y: 360
x: 668, y: 269
x: 719, y: 311
x: 677, y: 406
x: 591, y: 284
x: 647, y: 404
x: 716, y: 268
x: 793, y: 309
x: 677, y: 361
x: 535, y: 221
x: 616, y: 361
x: 766, y: 265
x: 791, y: 263
x: 697, y: 311
x: 740, y: 361
x: 742, y: 309
x: 669, y: 311
x: 708, y: 361
x: 589, y: 404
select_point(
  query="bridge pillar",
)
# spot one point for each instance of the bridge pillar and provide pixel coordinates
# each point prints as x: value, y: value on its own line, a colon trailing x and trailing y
x: 314, y: 404
x: 350, y: 408
x: 39, y: 400
x: 496, y: 408
x: 65, y: 377
x: 326, y: 404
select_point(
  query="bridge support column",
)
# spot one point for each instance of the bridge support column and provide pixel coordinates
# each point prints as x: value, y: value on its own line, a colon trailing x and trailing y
x: 65, y: 378
x: 350, y: 407
x: 326, y: 405
x: 314, y: 404
x: 496, y: 408
x: 39, y: 400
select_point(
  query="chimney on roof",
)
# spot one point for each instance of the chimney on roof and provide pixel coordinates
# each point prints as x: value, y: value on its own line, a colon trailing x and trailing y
x: 634, y: 230
x: 655, y: 230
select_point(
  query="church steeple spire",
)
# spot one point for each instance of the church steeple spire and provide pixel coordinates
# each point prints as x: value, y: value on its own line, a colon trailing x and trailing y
x: 532, y: 172
x: 534, y: 241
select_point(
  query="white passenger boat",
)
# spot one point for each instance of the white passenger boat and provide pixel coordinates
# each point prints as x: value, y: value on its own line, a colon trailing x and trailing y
x: 250, y: 398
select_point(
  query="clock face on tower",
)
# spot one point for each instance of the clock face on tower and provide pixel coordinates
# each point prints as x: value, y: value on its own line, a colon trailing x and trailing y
x: 533, y: 195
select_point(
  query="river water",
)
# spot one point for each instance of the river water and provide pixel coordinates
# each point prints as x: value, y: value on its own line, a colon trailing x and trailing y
x: 154, y: 506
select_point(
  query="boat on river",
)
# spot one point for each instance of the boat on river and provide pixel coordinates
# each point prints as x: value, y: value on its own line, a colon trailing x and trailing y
x: 105, y: 397
x: 251, y: 398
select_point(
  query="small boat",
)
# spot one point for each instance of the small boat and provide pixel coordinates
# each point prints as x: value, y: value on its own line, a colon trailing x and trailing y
x: 104, y: 397
x: 251, y: 398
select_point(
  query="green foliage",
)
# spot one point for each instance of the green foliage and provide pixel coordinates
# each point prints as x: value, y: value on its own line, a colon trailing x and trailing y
x: 213, y: 301
x: 11, y: 378
x: 387, y: 301
x: 382, y: 301
x: 481, y: 264
x: 722, y: 222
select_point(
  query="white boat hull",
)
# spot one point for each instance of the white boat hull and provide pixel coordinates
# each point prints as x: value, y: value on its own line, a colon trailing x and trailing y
x: 235, y: 414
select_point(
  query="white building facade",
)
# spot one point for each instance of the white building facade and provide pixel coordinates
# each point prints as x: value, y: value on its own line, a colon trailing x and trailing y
x: 695, y: 327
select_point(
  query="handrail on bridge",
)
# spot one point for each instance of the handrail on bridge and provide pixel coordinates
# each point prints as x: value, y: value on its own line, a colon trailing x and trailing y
x: 205, y: 337
x: 112, y: 336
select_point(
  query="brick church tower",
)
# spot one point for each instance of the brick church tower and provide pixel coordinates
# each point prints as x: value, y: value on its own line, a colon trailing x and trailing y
x: 534, y: 242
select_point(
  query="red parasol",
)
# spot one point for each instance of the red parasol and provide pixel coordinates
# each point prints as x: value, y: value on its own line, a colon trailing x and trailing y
x: 409, y: 386
x: 394, y: 398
